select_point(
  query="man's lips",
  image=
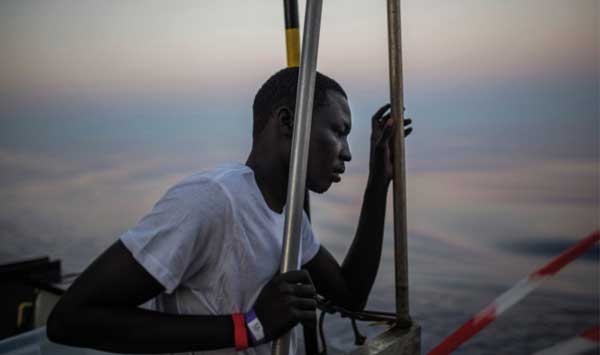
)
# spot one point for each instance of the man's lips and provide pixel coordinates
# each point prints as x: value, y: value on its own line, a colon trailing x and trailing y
x: 336, y: 175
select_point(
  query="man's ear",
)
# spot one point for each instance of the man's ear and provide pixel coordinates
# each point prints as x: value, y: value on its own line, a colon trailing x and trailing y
x: 285, y: 120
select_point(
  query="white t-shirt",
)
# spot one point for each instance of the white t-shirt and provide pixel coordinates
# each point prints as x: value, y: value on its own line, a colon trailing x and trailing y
x: 213, y: 243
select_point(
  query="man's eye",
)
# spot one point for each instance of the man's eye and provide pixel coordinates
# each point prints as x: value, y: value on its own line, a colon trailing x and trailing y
x: 340, y: 132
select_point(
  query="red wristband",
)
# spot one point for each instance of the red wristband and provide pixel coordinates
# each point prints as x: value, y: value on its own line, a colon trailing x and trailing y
x: 239, y: 331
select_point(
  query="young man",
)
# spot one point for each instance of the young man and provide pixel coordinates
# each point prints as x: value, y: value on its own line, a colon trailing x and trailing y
x: 208, y: 254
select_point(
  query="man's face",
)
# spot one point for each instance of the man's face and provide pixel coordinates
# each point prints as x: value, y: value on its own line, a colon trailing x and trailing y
x: 329, y: 150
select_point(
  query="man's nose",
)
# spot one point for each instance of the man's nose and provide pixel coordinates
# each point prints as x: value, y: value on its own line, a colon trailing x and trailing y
x: 345, y: 154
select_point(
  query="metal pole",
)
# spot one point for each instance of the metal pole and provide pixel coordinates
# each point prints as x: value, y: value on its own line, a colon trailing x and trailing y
x: 397, y: 101
x: 292, y: 49
x: 292, y: 34
x: 299, y: 153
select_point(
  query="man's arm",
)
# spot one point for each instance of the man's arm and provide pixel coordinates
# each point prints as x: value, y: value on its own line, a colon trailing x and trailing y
x: 100, y: 311
x: 349, y: 285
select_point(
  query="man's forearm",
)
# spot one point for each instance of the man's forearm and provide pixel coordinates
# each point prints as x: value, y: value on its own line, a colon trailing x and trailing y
x: 136, y: 330
x: 362, y: 261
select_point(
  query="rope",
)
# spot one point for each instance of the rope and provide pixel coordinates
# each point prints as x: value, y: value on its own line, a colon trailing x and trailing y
x: 366, y: 316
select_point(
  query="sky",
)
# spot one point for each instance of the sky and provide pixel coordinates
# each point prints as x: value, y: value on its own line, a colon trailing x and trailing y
x: 527, y: 69
x: 105, y: 104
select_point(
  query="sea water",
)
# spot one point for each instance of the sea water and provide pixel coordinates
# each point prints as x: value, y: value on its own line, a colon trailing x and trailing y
x: 479, y: 219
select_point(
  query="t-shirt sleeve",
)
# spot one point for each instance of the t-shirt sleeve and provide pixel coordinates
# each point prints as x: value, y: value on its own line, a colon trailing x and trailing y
x: 310, y: 243
x: 176, y: 239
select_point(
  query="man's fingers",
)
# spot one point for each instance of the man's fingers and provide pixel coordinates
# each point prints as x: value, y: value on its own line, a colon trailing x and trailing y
x: 384, y: 118
x: 305, y: 316
x: 407, y: 131
x: 388, y: 129
x: 381, y: 111
x: 286, y: 288
x: 407, y: 121
x: 306, y: 304
x: 304, y: 291
x: 297, y: 277
x: 300, y: 290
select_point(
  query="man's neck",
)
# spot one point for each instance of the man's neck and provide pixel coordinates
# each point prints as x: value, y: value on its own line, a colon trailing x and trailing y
x: 271, y: 179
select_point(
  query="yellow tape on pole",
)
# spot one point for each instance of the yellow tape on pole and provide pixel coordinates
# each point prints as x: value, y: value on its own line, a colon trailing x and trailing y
x: 292, y: 41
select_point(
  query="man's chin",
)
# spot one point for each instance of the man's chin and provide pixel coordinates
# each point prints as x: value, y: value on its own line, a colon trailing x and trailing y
x: 320, y: 188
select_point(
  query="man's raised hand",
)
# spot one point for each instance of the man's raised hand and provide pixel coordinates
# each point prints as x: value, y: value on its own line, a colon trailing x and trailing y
x: 382, y: 127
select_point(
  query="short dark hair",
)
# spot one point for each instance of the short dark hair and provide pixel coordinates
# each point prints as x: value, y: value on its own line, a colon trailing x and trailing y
x: 280, y: 89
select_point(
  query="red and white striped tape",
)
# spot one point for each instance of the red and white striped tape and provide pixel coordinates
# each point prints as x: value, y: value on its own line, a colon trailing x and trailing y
x: 512, y: 296
x: 586, y: 341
